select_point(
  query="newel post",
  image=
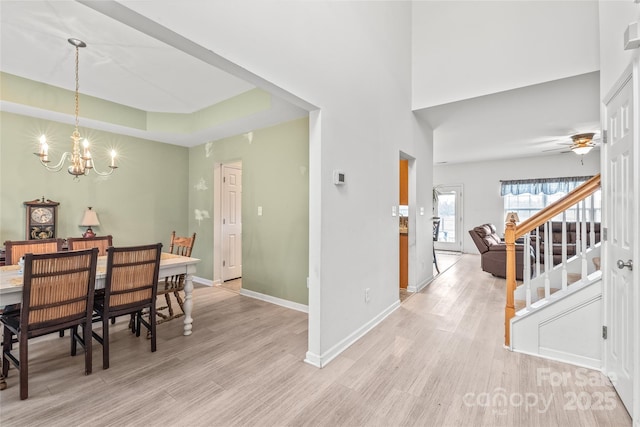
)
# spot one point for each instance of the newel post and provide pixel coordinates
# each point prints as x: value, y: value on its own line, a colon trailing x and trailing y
x: 509, y: 309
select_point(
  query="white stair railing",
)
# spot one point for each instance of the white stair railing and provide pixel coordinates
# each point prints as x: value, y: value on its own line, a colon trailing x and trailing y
x: 513, y: 231
x: 554, y: 277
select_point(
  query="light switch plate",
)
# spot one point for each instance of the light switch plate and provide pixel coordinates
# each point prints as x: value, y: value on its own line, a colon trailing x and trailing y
x: 394, y: 210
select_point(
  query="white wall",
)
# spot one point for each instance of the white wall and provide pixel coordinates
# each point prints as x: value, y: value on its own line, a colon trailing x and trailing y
x: 482, y: 202
x: 614, y: 18
x: 465, y: 49
x: 420, y: 198
x: 352, y: 59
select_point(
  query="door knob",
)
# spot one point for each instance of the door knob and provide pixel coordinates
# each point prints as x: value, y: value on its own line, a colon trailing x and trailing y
x: 622, y: 264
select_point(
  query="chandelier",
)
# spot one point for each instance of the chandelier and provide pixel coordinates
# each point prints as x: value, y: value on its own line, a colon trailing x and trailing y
x: 80, y: 156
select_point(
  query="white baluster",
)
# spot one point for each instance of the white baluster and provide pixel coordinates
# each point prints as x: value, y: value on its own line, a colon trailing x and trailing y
x: 548, y: 258
x: 537, y: 251
x: 584, y: 240
x: 564, y: 250
x: 592, y: 232
x: 527, y: 268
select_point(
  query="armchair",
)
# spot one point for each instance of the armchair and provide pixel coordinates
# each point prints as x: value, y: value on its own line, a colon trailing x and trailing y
x: 493, y: 252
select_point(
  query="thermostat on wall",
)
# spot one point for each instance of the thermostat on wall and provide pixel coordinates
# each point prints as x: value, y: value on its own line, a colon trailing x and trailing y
x: 338, y: 177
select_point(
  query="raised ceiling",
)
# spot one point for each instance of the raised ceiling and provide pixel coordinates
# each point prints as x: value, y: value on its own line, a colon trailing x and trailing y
x: 122, y: 65
x: 127, y: 66
x: 531, y: 121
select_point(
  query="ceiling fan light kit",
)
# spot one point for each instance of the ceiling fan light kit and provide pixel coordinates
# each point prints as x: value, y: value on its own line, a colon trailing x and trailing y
x: 582, y: 143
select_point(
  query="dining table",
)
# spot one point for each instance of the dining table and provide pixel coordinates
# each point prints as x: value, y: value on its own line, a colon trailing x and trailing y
x: 11, y: 279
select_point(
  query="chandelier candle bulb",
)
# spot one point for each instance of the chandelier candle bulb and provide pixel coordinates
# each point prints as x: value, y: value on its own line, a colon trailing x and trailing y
x: 85, y: 144
x: 44, y: 149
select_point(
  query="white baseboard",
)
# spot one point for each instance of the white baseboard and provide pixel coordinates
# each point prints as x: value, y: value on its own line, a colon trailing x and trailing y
x: 202, y: 281
x: 274, y: 300
x: 313, y: 359
x: 421, y: 285
x: 321, y: 361
x: 581, y: 362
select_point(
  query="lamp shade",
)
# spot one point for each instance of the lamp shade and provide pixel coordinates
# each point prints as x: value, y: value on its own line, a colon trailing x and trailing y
x: 512, y: 217
x: 90, y: 218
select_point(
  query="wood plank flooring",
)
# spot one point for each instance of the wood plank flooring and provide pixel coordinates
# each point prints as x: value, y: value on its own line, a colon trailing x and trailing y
x: 436, y: 361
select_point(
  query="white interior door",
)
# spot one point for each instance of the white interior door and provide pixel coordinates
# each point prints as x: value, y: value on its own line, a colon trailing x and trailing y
x: 618, y: 296
x: 231, y: 222
x: 449, y: 209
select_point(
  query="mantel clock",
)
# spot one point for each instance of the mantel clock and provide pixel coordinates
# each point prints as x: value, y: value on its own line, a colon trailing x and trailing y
x: 42, y: 218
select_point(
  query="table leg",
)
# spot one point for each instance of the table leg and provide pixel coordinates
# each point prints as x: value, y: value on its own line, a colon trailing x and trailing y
x: 188, y: 304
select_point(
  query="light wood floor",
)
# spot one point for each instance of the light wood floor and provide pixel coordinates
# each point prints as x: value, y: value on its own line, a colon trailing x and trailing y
x: 437, y: 360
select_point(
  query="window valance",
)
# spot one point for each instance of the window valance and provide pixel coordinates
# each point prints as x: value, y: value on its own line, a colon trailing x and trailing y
x: 541, y: 185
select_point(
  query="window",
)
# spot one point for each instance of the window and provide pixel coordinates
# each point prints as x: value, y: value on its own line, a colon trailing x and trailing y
x: 526, y: 197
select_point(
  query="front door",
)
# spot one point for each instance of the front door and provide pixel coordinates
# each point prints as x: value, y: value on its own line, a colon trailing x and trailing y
x: 231, y: 222
x: 618, y: 191
x: 449, y: 209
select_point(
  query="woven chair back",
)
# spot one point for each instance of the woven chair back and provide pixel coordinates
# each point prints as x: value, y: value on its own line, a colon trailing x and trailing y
x: 16, y: 249
x: 132, y: 276
x: 100, y: 242
x: 58, y: 290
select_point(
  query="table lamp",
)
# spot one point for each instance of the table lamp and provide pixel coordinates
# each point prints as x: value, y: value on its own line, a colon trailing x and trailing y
x: 512, y: 217
x: 90, y: 219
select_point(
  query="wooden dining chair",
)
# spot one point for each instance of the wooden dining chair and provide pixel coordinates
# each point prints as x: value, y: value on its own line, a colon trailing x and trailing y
x: 130, y: 288
x: 15, y: 249
x: 58, y: 291
x: 174, y: 284
x: 100, y: 242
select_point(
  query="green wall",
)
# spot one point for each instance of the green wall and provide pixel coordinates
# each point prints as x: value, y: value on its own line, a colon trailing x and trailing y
x: 275, y: 246
x: 157, y: 188
x: 142, y: 202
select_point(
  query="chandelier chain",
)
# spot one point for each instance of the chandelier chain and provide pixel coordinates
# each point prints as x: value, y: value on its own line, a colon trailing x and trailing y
x: 77, y: 99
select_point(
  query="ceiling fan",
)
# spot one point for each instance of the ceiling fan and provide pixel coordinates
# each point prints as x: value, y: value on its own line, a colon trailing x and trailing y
x: 580, y: 144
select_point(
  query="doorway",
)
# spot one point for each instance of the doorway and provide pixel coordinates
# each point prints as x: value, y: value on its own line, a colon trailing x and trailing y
x: 449, y: 210
x: 407, y: 226
x: 231, y: 227
x: 403, y: 225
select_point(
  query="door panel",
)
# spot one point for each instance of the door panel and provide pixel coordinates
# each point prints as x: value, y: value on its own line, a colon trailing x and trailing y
x: 619, y: 189
x: 231, y: 222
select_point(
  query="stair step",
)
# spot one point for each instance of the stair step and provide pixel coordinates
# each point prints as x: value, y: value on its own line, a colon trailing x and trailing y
x: 573, y: 277
x: 540, y: 291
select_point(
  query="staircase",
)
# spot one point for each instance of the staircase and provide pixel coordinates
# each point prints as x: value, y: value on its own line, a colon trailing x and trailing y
x: 556, y: 312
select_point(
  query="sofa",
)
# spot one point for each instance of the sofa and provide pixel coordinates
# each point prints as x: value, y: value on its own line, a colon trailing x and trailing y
x: 493, y: 252
x: 556, y: 239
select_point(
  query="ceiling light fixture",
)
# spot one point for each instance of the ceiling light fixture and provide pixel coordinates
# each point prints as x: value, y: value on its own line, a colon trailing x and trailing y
x: 80, y: 158
x: 582, y: 143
